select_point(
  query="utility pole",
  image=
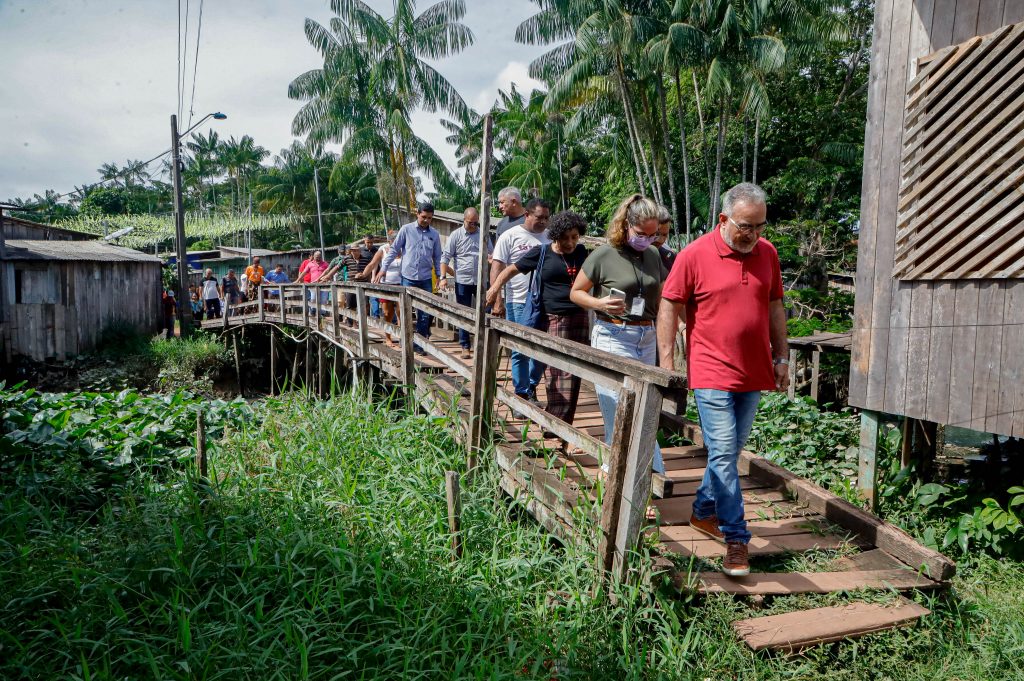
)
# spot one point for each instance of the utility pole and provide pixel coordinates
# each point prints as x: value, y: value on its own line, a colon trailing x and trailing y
x: 184, y: 304
x: 319, y: 216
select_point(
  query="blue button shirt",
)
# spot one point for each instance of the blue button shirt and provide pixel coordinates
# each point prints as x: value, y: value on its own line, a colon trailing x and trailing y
x: 420, y: 250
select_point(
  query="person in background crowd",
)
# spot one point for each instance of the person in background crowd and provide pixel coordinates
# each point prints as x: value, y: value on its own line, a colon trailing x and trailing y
x: 393, y: 276
x: 310, y: 271
x: 344, y: 267
x: 510, y: 247
x: 367, y: 252
x: 562, y: 318
x: 419, y: 246
x: 510, y: 203
x: 729, y: 284
x: 232, y: 294
x: 253, y: 278
x: 197, y: 306
x: 621, y: 281
x: 460, y: 258
x: 277, y: 276
x: 170, y: 307
x: 668, y: 256
x: 210, y: 294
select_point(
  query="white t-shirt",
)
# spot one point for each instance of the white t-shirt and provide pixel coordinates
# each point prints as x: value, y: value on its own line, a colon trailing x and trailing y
x: 511, y: 246
x: 210, y: 289
x: 393, y: 275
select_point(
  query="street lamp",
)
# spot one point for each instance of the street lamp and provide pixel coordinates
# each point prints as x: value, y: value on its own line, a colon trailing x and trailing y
x: 184, y: 304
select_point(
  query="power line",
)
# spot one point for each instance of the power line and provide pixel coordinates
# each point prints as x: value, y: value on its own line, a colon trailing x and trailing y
x: 184, y: 68
x: 122, y: 174
x: 195, y: 67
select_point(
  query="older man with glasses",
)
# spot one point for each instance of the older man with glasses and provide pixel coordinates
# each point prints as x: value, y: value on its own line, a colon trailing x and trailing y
x: 459, y: 259
x: 729, y: 284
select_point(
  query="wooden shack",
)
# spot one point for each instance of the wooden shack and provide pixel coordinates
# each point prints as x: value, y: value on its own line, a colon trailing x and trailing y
x: 939, y: 318
x: 59, y: 296
x: 17, y: 228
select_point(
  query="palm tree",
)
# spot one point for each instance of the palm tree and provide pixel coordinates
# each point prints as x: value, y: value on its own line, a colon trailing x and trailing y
x: 240, y: 159
x: 110, y: 172
x: 466, y: 135
x: 135, y: 172
x: 204, y: 162
x: 374, y: 76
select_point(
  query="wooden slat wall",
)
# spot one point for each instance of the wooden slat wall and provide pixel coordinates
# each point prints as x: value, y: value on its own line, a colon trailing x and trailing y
x: 943, y: 351
x: 78, y: 301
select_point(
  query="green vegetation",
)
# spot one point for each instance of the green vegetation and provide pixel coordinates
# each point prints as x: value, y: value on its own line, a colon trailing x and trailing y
x: 319, y: 549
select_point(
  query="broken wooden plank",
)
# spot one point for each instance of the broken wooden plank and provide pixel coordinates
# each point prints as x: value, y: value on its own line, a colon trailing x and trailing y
x: 795, y: 630
x: 875, y: 559
x: 786, y: 583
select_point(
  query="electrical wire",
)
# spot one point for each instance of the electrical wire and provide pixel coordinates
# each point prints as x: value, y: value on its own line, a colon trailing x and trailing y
x: 195, y: 66
x: 184, y: 68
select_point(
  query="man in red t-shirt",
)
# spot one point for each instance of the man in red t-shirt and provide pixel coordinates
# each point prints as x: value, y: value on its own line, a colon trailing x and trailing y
x: 729, y: 284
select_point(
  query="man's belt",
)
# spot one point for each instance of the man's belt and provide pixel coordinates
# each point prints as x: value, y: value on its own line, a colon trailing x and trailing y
x: 625, y: 322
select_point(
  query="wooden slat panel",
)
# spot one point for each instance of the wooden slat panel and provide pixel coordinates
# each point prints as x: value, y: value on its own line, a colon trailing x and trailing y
x: 963, y: 160
x: 803, y: 628
x: 990, y: 15
x: 784, y: 583
x: 864, y: 302
x: 991, y: 296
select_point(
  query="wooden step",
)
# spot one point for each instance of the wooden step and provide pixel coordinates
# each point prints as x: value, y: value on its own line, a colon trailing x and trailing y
x: 785, y: 583
x: 758, y: 546
x: 803, y: 628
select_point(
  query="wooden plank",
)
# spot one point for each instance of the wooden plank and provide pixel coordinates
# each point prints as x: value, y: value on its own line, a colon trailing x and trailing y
x: 942, y: 24
x: 612, y: 494
x: 757, y: 528
x: 867, y: 470
x: 569, y: 433
x: 636, y: 482
x: 990, y: 15
x: 965, y: 337
x: 1014, y: 12
x: 786, y: 583
x: 899, y: 347
x: 885, y: 228
x: 940, y: 352
x: 864, y: 300
x: 887, y: 537
x: 875, y: 559
x: 965, y: 22
x: 677, y: 510
x: 919, y: 351
x: 758, y: 546
x: 985, y: 392
x: 1010, y: 419
x: 593, y: 373
x: 804, y: 628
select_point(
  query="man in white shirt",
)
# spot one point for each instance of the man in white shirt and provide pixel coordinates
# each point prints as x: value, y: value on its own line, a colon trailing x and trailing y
x: 510, y: 247
x: 460, y: 258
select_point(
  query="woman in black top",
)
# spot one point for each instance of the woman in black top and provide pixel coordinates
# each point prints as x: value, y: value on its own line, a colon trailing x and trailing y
x: 563, y: 259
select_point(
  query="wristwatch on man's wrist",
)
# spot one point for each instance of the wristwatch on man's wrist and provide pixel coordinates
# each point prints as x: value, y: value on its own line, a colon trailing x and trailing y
x: 780, y: 360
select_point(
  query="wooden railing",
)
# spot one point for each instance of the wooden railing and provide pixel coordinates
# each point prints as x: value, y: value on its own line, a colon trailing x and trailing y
x: 644, y: 391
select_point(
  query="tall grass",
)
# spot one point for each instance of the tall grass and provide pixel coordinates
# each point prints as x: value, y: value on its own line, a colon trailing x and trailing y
x: 320, y: 549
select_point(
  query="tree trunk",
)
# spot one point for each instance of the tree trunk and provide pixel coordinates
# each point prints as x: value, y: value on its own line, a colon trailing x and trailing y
x: 636, y: 130
x: 632, y: 143
x: 662, y: 106
x: 649, y: 117
x: 746, y: 134
x: 686, y: 154
x: 705, y: 147
x: 757, y: 140
x: 716, y: 196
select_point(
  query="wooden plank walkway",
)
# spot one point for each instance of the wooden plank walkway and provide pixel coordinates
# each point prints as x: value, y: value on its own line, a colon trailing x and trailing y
x: 787, y: 516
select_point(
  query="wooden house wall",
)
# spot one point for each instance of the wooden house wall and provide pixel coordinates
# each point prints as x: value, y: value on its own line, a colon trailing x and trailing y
x: 942, y: 351
x: 65, y: 305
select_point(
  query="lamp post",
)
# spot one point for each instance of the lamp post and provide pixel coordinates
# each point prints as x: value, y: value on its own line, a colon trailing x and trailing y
x: 184, y: 304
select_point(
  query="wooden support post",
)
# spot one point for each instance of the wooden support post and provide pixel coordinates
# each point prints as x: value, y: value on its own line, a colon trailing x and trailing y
x: 335, y: 314
x: 336, y: 371
x: 281, y: 292
x: 238, y: 361
x: 321, y: 390
x: 454, y: 495
x: 261, y: 300
x: 305, y: 306
x: 636, y: 482
x: 793, y: 355
x: 224, y: 314
x: 408, y: 356
x: 273, y: 361
x: 906, y: 442
x: 815, y: 373
x: 309, y: 364
x: 362, y: 328
x: 867, y: 473
x: 486, y: 350
x: 201, y: 444
x: 611, y: 496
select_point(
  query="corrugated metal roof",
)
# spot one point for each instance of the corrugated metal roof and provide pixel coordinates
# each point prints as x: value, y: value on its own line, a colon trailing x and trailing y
x: 95, y: 251
x: 231, y: 251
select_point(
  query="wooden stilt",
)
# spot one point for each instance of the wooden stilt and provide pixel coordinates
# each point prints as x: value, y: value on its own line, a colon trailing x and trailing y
x: 238, y: 361
x: 867, y: 473
x: 273, y: 361
x: 793, y: 356
x: 201, y: 444
x: 815, y: 374
x: 309, y: 364
x: 486, y: 350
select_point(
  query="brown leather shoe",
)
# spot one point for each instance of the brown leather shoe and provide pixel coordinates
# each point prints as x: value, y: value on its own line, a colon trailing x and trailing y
x: 736, y: 563
x: 708, y: 526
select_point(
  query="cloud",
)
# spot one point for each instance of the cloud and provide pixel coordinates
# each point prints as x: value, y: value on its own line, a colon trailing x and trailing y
x: 515, y: 73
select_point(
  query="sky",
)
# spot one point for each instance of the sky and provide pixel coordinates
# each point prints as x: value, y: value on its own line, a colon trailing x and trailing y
x: 87, y: 82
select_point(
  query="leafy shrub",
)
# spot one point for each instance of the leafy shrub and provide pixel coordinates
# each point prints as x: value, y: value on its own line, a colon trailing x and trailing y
x: 190, y: 363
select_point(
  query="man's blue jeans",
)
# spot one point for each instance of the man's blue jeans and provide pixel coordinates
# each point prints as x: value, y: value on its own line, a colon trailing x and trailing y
x: 374, y: 307
x: 423, y: 320
x: 632, y: 342
x: 725, y: 421
x: 464, y: 296
x: 526, y: 372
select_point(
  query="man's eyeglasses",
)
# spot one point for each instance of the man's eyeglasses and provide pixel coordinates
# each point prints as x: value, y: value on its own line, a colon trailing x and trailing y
x: 749, y: 228
x: 474, y: 224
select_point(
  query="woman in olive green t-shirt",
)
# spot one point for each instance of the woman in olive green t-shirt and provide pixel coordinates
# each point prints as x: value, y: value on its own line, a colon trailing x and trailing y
x: 632, y: 265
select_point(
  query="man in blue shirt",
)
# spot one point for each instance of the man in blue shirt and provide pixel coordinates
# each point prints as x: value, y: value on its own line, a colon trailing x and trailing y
x: 277, y: 276
x: 419, y: 246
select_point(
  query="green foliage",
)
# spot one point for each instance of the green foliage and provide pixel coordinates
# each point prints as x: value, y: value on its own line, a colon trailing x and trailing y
x: 190, y: 363
x: 76, y: 450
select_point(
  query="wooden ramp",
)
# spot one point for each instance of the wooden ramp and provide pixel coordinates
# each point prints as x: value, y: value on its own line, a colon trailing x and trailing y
x: 789, y: 518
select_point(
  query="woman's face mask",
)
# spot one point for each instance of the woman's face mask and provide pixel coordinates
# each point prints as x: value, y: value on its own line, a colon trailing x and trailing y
x: 641, y: 242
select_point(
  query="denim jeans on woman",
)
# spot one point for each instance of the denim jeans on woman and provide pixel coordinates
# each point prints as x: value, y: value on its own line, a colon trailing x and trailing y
x: 725, y: 421
x: 633, y: 342
x: 526, y: 372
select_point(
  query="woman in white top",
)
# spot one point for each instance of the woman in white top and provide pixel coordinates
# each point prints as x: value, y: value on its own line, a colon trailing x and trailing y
x: 211, y: 295
x: 393, y: 275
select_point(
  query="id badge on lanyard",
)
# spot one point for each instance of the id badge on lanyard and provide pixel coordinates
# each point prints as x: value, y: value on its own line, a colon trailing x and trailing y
x: 637, y: 309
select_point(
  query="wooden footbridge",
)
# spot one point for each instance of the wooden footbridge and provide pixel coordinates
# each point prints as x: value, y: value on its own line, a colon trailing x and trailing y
x: 565, y: 491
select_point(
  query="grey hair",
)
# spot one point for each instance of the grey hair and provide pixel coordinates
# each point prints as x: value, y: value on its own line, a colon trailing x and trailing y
x: 663, y: 215
x: 511, y: 191
x: 744, y: 192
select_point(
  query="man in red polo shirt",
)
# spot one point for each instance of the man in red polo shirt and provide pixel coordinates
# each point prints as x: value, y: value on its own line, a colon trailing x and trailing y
x: 730, y: 285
